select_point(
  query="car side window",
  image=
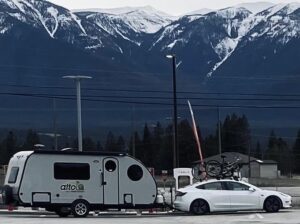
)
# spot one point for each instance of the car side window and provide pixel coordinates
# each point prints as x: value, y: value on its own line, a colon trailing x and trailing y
x: 233, y: 186
x: 210, y: 186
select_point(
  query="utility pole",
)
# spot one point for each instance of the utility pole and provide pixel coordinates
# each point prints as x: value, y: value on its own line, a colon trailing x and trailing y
x: 55, y: 124
x: 175, y: 126
x: 219, y: 133
x: 77, y: 79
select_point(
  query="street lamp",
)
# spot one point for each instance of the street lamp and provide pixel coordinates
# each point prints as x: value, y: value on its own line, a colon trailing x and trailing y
x: 175, y: 132
x: 77, y: 79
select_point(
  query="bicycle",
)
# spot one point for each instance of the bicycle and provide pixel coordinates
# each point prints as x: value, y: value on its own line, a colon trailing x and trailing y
x: 199, y: 172
x: 222, y: 170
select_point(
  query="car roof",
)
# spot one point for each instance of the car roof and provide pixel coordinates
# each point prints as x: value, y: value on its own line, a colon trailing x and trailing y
x: 216, y: 180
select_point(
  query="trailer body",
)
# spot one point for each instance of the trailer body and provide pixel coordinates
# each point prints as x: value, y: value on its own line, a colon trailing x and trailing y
x: 56, y: 179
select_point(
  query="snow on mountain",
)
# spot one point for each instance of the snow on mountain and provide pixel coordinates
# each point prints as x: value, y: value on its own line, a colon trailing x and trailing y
x: 199, y: 12
x: 43, y: 14
x: 139, y: 19
x: 124, y: 10
x: 256, y: 7
x: 212, y: 35
x: 280, y: 22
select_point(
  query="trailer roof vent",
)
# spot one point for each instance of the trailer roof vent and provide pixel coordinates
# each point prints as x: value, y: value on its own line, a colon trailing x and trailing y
x: 135, y: 172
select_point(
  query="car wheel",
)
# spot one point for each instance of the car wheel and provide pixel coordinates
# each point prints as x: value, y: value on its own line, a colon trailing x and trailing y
x: 272, y: 204
x: 80, y: 208
x: 63, y: 211
x: 199, y: 207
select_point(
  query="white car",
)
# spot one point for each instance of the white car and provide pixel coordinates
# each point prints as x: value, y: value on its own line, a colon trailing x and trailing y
x: 228, y: 195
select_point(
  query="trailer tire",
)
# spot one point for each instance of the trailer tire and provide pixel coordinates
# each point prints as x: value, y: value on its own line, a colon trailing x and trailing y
x: 63, y: 211
x: 7, y: 195
x: 80, y: 208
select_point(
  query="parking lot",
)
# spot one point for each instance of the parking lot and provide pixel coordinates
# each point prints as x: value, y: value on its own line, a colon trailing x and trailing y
x: 284, y: 216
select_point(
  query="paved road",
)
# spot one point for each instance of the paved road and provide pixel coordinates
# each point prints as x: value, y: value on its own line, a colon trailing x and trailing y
x: 284, y: 217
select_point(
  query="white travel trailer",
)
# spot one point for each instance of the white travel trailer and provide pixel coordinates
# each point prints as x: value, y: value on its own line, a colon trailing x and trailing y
x: 77, y: 182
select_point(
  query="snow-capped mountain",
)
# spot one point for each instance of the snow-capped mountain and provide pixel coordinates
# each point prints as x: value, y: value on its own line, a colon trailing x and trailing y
x: 213, y: 36
x: 128, y: 23
x: 202, y: 11
x: 126, y: 34
x: 256, y: 7
x: 127, y: 47
x: 271, y: 44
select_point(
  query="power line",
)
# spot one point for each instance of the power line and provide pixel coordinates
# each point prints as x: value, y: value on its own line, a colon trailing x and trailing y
x: 48, y: 96
x: 153, y: 91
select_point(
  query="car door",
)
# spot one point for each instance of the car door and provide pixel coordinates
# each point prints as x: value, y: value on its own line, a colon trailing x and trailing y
x: 216, y: 196
x: 242, y: 197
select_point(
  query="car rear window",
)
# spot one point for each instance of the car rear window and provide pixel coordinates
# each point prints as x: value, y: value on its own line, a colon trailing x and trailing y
x: 13, y: 175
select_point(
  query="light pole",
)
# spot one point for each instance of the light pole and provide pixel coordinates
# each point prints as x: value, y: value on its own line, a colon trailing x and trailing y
x: 77, y: 79
x: 175, y: 131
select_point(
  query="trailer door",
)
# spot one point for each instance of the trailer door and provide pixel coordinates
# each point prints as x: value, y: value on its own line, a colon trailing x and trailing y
x: 110, y: 181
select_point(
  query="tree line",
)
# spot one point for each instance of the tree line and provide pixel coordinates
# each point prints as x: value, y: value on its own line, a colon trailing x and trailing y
x: 154, y: 144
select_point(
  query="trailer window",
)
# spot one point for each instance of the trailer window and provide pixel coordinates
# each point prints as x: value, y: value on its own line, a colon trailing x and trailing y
x: 13, y: 175
x: 135, y: 172
x: 72, y: 171
x: 110, y: 166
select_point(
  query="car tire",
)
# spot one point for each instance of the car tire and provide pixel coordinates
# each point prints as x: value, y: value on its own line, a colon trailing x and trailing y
x: 63, y: 211
x: 199, y: 207
x: 80, y: 208
x: 272, y: 204
x: 7, y: 195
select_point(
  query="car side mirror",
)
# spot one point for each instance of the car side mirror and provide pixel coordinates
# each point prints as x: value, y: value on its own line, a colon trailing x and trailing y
x: 251, y: 189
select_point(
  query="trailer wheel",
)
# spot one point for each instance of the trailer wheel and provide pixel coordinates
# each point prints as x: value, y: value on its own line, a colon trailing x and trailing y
x: 80, y: 208
x: 7, y: 195
x: 63, y: 211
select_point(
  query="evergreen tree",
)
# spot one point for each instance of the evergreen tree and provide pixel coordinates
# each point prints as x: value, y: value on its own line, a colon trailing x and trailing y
x: 135, y: 148
x: 148, y: 157
x: 235, y: 134
x: 188, y: 151
x: 284, y: 157
x: 210, y: 146
x: 9, y: 146
x: 99, y: 147
x: 272, y: 150
x: 258, y: 151
x: 278, y: 151
x: 158, y: 135
x: 88, y: 144
x: 111, y: 145
x: 3, y: 155
x: 296, y: 153
x: 121, y: 146
x: 167, y: 152
x: 31, y: 140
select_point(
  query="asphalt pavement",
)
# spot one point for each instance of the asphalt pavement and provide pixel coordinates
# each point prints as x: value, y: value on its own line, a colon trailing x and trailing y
x: 290, y: 216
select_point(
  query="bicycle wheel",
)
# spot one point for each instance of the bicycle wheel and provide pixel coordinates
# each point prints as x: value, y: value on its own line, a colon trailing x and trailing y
x: 213, y: 168
x: 198, y: 172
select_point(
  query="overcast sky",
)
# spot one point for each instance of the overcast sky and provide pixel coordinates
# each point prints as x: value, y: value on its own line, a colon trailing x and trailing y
x: 173, y: 7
